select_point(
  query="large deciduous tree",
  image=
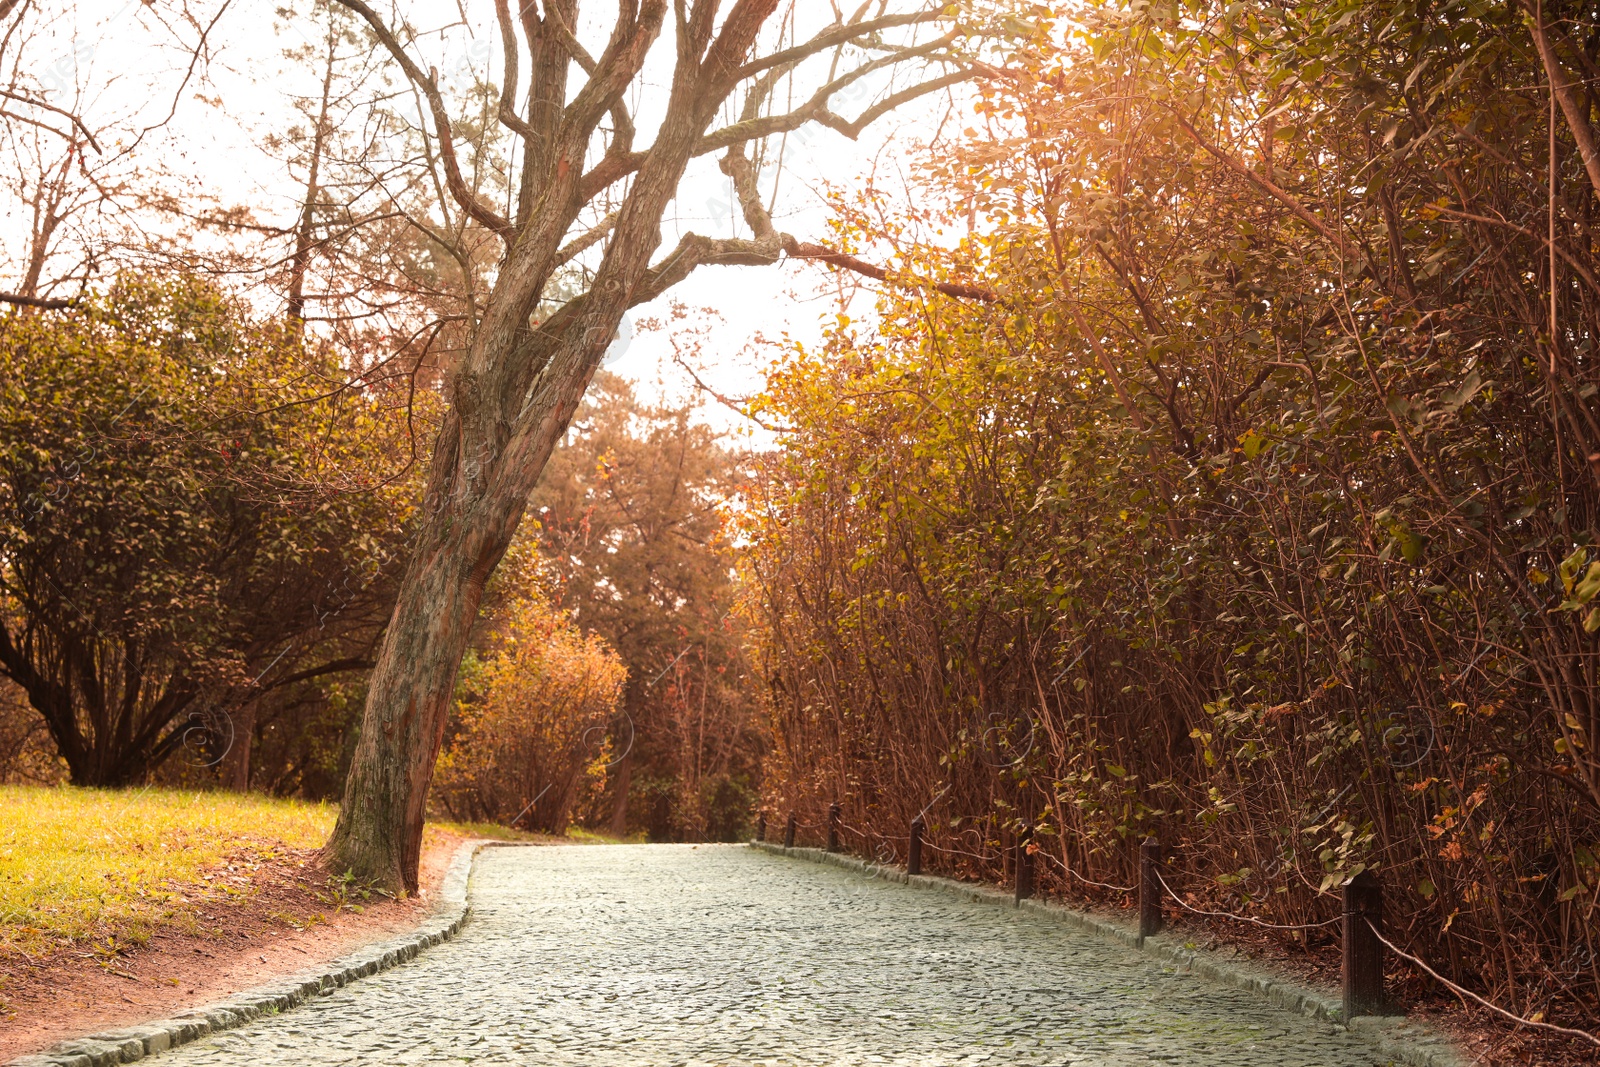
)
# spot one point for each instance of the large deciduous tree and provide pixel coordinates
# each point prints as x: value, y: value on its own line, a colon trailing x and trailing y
x: 184, y: 524
x: 581, y: 184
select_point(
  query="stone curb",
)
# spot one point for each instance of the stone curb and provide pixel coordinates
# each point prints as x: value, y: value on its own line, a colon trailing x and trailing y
x: 136, y: 1042
x: 1407, y: 1043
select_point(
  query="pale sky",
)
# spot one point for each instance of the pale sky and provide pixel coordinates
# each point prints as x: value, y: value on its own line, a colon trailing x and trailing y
x: 129, y: 69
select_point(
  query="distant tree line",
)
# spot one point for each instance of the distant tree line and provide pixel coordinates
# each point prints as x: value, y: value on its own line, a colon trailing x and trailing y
x: 633, y: 518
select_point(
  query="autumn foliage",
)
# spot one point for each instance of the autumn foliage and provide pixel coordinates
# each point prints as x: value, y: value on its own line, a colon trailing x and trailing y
x: 197, y: 528
x: 1248, y: 501
x: 632, y: 520
x: 531, y: 738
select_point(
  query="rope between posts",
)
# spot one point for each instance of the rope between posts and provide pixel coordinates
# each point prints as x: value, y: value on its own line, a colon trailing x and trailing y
x: 1467, y: 994
x: 863, y: 834
x: 1063, y: 866
x: 1243, y: 918
x: 1460, y: 992
x: 957, y: 851
x: 1086, y: 881
x: 879, y: 851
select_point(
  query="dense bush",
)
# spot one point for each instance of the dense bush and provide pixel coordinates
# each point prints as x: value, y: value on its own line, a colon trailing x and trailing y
x: 530, y: 740
x: 200, y: 515
x: 1248, y: 498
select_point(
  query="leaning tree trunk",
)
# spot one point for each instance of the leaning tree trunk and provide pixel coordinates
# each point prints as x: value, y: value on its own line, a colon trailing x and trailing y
x: 379, y: 834
x: 512, y: 399
x: 378, y: 837
x: 519, y: 383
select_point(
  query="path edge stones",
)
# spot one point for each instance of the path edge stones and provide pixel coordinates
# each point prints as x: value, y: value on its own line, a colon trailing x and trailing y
x: 1405, y: 1042
x: 132, y: 1043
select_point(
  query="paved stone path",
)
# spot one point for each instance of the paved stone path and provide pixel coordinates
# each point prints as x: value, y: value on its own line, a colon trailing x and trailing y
x: 660, y: 955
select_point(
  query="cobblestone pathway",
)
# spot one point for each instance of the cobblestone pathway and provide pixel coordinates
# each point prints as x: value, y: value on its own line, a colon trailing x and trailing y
x: 720, y: 955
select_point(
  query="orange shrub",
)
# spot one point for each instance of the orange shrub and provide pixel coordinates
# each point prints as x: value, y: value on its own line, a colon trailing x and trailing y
x: 530, y: 740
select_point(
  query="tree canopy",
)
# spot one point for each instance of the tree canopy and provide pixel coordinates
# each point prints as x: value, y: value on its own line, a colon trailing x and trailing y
x: 192, y: 517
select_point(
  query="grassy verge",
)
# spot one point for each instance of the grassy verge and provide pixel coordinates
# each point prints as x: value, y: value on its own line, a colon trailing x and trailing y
x: 490, y: 830
x: 88, y: 864
x: 505, y: 833
x: 595, y: 837
x: 84, y: 863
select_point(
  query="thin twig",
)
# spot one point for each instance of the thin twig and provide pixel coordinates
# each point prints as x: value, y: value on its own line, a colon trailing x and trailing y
x: 1244, y: 918
x: 1470, y: 995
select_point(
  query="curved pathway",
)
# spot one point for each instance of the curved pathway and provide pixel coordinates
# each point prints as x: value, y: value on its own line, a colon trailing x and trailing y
x: 722, y: 955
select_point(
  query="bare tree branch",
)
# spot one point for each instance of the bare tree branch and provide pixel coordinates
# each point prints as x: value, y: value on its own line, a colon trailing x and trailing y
x: 836, y: 35
x: 587, y: 63
x: 508, y: 40
x: 615, y: 167
x: 470, y: 202
x: 36, y: 301
x: 889, y: 103
x: 958, y: 290
x: 588, y: 239
x: 23, y: 98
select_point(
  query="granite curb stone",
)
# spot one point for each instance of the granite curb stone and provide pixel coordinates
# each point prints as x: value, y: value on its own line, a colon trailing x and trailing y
x: 128, y: 1044
x: 1408, y: 1043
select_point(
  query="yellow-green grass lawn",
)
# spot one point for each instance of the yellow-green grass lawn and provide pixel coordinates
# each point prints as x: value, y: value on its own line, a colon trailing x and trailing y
x: 77, y: 864
x: 83, y: 863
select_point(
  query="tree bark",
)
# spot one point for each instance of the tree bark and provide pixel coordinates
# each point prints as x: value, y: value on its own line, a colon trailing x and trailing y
x: 518, y: 385
x: 467, y: 529
x: 379, y: 832
x: 619, y: 803
x: 236, y: 774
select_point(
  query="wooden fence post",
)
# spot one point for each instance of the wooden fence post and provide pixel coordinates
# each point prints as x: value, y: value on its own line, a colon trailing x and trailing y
x: 1363, y: 952
x: 1149, y: 888
x: 914, y: 851
x: 1024, y: 865
x: 761, y: 826
x: 788, y: 832
x: 833, y: 827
